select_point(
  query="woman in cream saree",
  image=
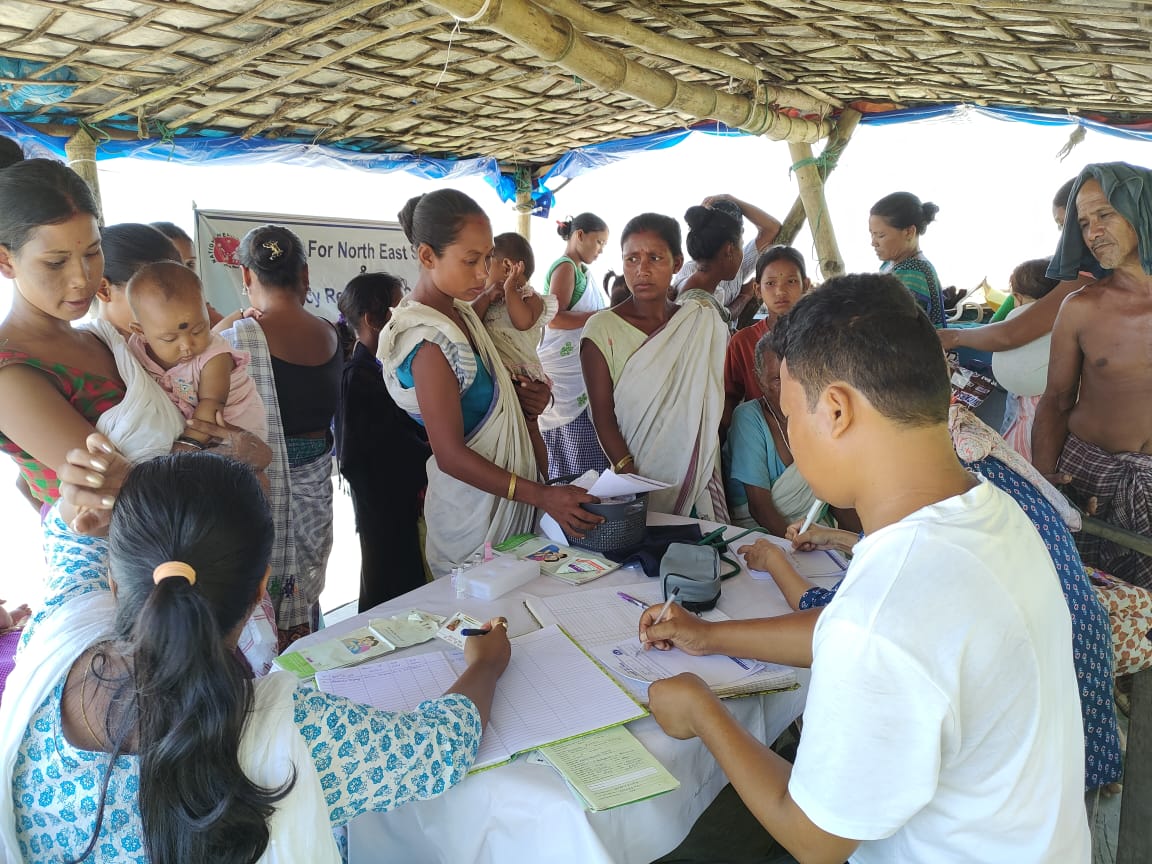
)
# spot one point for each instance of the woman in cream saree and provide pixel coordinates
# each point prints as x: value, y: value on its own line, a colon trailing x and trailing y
x: 655, y: 376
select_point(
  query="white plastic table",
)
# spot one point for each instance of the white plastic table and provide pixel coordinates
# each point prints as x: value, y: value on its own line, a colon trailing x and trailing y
x: 524, y: 812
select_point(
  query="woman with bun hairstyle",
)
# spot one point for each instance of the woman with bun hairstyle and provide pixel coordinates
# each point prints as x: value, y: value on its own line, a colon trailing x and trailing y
x: 132, y: 732
x: 60, y: 382
x: 721, y: 263
x: 296, y: 364
x: 896, y: 223
x: 565, y: 425
x: 441, y: 366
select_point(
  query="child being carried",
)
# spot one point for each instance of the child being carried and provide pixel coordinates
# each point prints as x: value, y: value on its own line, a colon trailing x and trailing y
x: 197, y: 369
x: 514, y: 315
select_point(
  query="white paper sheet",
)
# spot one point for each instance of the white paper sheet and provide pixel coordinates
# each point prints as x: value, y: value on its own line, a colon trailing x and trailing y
x: 807, y: 564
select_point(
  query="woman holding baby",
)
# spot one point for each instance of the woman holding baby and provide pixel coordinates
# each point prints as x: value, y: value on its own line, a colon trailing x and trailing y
x: 60, y: 383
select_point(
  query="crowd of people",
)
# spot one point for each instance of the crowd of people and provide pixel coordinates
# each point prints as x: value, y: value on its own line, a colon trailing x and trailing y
x: 967, y: 641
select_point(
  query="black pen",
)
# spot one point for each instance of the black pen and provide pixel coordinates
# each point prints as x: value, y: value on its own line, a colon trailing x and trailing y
x: 476, y: 631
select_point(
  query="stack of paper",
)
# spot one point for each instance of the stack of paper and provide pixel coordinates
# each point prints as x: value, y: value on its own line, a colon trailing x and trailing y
x: 606, y: 486
x: 574, y: 566
x: 605, y: 624
x: 550, y: 692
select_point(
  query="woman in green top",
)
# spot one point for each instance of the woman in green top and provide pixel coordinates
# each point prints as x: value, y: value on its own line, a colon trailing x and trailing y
x: 566, y: 426
x: 896, y: 223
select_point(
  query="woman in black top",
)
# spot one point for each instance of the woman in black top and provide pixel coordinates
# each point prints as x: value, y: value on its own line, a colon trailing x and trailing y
x: 381, y: 450
x: 306, y: 361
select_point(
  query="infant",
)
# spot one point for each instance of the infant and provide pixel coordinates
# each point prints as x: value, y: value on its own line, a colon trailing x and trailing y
x: 173, y: 340
x: 514, y: 315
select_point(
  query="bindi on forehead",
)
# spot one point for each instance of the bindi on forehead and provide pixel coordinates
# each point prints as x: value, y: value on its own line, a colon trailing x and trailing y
x: 183, y: 325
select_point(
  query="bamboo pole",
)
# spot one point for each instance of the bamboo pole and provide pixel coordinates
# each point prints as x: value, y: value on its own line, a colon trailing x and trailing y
x: 81, y: 152
x: 524, y: 202
x: 557, y: 41
x: 838, y: 139
x: 816, y: 208
x: 625, y: 30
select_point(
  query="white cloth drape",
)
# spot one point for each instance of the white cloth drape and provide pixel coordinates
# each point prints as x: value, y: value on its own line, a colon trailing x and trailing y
x: 669, y: 401
x: 460, y: 517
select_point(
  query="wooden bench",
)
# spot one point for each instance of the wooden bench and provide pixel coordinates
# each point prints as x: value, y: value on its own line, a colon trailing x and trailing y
x: 1134, y: 843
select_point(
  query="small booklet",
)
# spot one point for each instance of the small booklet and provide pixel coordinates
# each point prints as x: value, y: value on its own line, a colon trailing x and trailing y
x: 609, y: 768
x: 574, y: 566
x: 381, y: 636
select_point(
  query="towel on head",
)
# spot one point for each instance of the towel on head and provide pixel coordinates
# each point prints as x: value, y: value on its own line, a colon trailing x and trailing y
x: 1129, y: 189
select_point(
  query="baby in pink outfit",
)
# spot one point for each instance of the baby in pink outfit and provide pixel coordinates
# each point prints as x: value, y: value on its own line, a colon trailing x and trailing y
x: 174, y: 342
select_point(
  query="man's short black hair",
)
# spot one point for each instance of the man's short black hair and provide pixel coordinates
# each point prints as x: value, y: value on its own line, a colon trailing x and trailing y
x: 866, y: 330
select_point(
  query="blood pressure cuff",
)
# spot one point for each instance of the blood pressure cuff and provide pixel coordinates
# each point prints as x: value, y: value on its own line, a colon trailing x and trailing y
x: 695, y: 570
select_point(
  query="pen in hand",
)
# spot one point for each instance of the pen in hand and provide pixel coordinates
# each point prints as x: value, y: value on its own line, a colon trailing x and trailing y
x: 667, y: 605
x: 813, y: 511
x: 476, y: 631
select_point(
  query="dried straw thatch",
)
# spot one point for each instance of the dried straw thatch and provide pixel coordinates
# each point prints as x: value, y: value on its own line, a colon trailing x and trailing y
x: 526, y: 80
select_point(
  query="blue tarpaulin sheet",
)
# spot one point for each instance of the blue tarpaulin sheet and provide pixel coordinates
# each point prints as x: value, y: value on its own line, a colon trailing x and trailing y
x: 235, y: 150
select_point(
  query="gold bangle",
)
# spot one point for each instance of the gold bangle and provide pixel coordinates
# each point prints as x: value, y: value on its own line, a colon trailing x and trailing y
x: 511, y: 496
x: 622, y: 463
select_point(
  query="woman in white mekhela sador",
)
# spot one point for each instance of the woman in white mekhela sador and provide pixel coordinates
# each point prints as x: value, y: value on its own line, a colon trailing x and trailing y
x: 566, y: 425
x: 655, y: 376
x: 441, y: 367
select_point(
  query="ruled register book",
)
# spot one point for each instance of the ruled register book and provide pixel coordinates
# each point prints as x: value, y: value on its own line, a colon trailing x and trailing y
x: 550, y: 692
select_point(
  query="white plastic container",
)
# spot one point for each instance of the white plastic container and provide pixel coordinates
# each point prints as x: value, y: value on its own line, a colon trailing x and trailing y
x: 491, y: 579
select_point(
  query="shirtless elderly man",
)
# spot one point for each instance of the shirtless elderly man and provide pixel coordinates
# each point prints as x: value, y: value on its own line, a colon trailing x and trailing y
x: 1094, y: 422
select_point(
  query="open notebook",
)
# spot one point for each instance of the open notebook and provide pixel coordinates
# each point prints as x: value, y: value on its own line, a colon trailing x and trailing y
x: 550, y: 692
x: 600, y: 620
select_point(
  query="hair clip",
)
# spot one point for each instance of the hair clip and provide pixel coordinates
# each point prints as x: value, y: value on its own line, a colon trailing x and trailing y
x: 273, y: 247
x: 173, y: 568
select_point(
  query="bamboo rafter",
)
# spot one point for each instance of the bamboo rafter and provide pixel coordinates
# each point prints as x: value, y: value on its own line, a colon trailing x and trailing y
x: 400, y: 75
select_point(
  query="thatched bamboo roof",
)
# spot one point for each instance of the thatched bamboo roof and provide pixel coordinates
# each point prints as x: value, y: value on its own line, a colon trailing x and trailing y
x: 525, y: 84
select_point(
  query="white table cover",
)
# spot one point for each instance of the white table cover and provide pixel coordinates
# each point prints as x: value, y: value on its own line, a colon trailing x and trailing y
x: 524, y: 812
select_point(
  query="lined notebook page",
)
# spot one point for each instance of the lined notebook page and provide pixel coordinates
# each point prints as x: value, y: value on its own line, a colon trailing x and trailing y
x: 550, y: 691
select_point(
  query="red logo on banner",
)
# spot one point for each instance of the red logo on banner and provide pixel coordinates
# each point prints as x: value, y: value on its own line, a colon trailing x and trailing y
x: 224, y: 248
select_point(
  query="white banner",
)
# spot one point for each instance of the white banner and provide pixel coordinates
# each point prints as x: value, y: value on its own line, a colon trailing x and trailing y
x: 337, y: 250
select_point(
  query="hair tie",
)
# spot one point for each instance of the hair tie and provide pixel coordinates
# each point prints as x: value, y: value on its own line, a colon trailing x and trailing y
x: 273, y: 247
x: 174, y: 568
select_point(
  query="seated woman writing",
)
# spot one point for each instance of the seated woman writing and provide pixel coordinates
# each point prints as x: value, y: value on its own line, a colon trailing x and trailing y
x: 654, y: 372
x: 441, y: 366
x: 131, y: 732
x: 765, y: 488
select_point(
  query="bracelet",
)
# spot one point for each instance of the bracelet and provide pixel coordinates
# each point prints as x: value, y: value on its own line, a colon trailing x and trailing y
x: 511, y: 496
x: 191, y: 442
x: 622, y: 463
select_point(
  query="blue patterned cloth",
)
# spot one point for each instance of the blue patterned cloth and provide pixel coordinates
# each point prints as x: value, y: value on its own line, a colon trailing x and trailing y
x: 1091, y: 630
x: 367, y: 760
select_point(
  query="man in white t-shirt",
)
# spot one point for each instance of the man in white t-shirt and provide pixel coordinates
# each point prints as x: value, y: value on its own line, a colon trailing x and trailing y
x: 943, y: 720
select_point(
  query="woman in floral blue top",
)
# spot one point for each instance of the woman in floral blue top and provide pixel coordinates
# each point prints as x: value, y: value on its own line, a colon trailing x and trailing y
x: 133, y: 734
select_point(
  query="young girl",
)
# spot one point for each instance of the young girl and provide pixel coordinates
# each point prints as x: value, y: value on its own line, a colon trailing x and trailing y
x: 566, y: 425
x: 782, y: 279
x: 59, y: 383
x: 441, y: 367
x: 381, y: 450
x: 1023, y: 371
x: 514, y: 314
x: 173, y: 340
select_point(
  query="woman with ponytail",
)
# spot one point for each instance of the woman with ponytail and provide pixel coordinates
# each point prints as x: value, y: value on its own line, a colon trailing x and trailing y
x: 132, y: 733
x: 566, y: 425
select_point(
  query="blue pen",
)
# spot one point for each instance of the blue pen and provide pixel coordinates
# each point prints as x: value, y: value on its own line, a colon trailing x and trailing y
x: 635, y: 601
